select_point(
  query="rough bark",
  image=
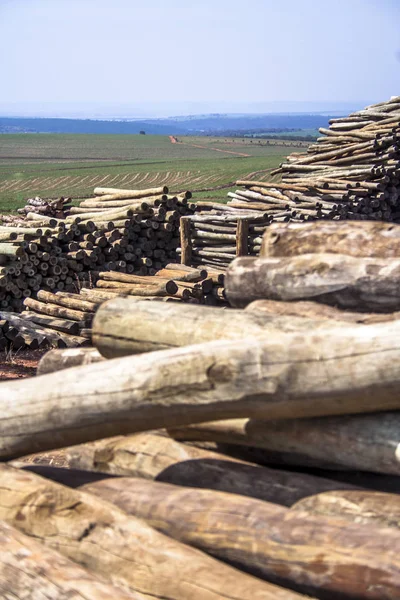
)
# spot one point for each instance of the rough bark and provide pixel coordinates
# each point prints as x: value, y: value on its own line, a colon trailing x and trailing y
x: 313, y: 554
x: 359, y: 442
x: 30, y: 570
x: 373, y: 239
x: 158, y: 457
x: 371, y: 284
x: 122, y: 548
x: 361, y: 507
x: 124, y: 327
x: 186, y: 242
x: 57, y: 360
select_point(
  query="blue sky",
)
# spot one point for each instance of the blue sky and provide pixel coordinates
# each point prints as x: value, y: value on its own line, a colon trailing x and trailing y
x: 173, y: 56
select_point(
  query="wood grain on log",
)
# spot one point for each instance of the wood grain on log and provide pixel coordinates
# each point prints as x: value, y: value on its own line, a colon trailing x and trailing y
x: 312, y: 554
x: 120, y: 547
x: 57, y: 360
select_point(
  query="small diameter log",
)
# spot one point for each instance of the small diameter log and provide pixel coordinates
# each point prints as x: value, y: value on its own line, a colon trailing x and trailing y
x: 117, y: 193
x: 120, y: 547
x: 302, y: 551
x: 242, y: 237
x: 372, y: 239
x: 57, y: 311
x: 347, y: 282
x: 186, y: 242
x: 350, y: 370
x: 30, y: 570
x: 61, y: 300
x: 138, y: 289
x: 64, y: 325
x: 58, y: 360
x: 358, y: 442
x: 361, y: 507
x: 158, y: 457
x: 122, y: 326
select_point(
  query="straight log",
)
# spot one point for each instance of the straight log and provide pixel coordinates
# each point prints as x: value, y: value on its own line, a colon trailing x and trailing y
x: 118, y: 193
x: 186, y: 242
x: 59, y: 299
x: 57, y: 311
x: 64, y: 325
x: 58, y: 360
x: 120, y: 547
x: 348, y: 282
x: 242, y: 237
x: 308, y: 553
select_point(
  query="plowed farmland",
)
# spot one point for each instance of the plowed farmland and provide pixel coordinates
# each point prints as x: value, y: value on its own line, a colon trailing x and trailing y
x: 55, y: 165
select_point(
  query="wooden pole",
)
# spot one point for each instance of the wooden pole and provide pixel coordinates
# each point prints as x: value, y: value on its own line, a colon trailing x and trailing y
x: 242, y: 237
x: 186, y: 242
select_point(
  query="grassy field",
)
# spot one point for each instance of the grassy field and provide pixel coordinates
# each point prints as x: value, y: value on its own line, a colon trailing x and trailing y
x: 53, y: 165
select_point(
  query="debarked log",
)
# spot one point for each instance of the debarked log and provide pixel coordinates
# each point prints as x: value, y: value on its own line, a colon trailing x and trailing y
x: 351, y: 238
x: 309, y: 553
x: 117, y: 546
x: 371, y: 284
x: 57, y: 360
x: 30, y: 570
x: 354, y: 442
x: 158, y: 457
x: 286, y: 376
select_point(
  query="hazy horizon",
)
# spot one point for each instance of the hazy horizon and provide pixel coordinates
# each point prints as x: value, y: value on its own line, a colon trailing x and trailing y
x: 125, y: 59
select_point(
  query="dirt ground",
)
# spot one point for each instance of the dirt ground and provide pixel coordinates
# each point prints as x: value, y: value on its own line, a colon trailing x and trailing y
x: 18, y: 365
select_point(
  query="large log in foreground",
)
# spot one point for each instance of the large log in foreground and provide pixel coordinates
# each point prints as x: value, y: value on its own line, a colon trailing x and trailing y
x: 362, y: 507
x: 155, y: 456
x: 358, y: 442
x: 120, y: 547
x: 124, y: 327
x: 287, y: 376
x: 30, y: 570
x: 330, y: 558
x: 356, y: 238
x: 357, y: 283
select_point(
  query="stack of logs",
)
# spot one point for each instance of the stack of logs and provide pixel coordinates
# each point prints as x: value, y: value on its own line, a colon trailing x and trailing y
x: 129, y: 231
x: 50, y: 208
x: 256, y: 451
x: 64, y: 319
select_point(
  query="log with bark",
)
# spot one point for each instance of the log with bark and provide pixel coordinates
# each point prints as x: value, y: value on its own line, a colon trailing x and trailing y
x: 120, y: 547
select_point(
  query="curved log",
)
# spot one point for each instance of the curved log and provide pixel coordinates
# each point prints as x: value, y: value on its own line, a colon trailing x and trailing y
x: 294, y: 548
x: 351, y: 238
x: 122, y: 548
x: 359, y: 442
x: 158, y: 457
x: 361, y: 507
x: 286, y: 376
x: 30, y: 570
x: 371, y: 284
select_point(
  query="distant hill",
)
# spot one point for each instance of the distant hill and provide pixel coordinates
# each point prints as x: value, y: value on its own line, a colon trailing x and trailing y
x: 215, y: 124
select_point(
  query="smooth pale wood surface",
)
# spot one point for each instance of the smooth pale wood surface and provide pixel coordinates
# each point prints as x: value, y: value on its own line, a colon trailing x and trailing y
x: 353, y: 238
x: 287, y: 376
x: 122, y: 548
x: 292, y: 547
x: 30, y: 570
x: 57, y: 360
x: 158, y: 457
x: 362, y: 507
x: 371, y: 284
x: 122, y: 326
x: 360, y: 442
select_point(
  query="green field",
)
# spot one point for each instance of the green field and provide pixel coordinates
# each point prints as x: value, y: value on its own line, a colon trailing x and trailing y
x: 53, y: 165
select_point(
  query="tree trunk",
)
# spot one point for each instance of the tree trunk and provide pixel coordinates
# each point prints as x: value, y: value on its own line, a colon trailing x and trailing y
x: 361, y: 507
x: 371, y: 284
x: 57, y: 360
x: 373, y: 239
x: 120, y: 547
x: 358, y: 442
x: 294, y: 548
x: 122, y: 326
x: 154, y: 456
x: 30, y: 570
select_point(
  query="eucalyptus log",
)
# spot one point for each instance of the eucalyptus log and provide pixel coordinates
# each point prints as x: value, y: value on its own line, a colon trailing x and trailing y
x: 285, y: 376
x: 309, y: 553
x: 58, y: 360
x: 186, y: 242
x: 117, y: 546
x: 122, y: 326
x: 158, y: 457
x: 60, y: 299
x: 347, y: 282
x: 361, y: 507
x: 372, y: 239
x: 54, y: 310
x: 120, y: 193
x: 30, y: 570
x: 358, y: 442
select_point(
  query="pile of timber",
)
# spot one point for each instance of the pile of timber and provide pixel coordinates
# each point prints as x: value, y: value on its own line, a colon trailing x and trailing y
x: 64, y: 319
x: 51, y: 208
x: 129, y: 231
